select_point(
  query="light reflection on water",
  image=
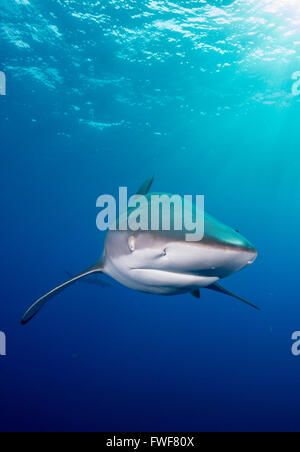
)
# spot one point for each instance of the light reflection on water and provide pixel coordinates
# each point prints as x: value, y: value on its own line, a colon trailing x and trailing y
x: 157, y: 53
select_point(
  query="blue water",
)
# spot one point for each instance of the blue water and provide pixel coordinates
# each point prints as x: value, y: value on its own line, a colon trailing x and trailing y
x: 102, y: 94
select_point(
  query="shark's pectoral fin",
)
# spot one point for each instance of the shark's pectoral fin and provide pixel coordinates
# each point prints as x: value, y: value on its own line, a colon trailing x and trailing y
x: 93, y: 281
x: 221, y: 289
x: 35, y: 308
x: 146, y: 187
x: 196, y: 293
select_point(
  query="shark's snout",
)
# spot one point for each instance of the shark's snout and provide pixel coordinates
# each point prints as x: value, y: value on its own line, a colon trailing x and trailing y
x: 247, y: 251
x: 252, y: 255
x: 246, y: 254
x: 230, y: 251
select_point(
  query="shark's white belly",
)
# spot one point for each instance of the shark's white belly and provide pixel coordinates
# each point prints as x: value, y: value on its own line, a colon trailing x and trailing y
x: 157, y: 281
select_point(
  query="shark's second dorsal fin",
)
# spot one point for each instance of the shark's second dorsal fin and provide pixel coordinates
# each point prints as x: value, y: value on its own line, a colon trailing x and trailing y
x: 146, y: 187
x: 37, y: 306
x: 221, y: 289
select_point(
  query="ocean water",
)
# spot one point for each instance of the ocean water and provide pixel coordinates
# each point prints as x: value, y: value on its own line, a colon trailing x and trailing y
x: 102, y: 94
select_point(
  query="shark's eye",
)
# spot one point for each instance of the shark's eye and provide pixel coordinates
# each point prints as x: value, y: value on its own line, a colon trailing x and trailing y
x: 131, y: 243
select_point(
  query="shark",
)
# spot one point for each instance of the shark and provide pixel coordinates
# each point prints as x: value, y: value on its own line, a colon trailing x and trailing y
x: 163, y: 262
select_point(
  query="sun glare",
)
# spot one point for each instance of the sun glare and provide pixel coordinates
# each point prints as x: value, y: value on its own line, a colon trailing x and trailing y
x: 282, y: 5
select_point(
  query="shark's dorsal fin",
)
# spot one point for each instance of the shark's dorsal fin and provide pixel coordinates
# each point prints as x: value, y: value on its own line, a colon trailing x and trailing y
x: 37, y: 306
x: 221, y: 289
x: 146, y: 187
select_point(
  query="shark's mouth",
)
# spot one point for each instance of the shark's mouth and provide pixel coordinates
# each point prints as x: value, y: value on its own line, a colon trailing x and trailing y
x: 207, y: 273
x: 161, y: 277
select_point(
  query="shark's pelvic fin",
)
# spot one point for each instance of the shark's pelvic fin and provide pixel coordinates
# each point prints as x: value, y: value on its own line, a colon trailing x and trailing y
x: 196, y: 293
x: 221, y: 289
x: 35, y: 308
x: 146, y: 187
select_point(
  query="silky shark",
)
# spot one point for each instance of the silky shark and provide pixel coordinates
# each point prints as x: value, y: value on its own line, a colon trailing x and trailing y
x: 165, y: 263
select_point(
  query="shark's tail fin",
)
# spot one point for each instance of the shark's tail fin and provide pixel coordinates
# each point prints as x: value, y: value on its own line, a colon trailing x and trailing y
x: 221, y: 289
x: 37, y: 306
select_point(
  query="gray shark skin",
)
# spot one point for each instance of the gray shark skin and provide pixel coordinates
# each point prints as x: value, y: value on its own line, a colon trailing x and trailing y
x: 164, y: 263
